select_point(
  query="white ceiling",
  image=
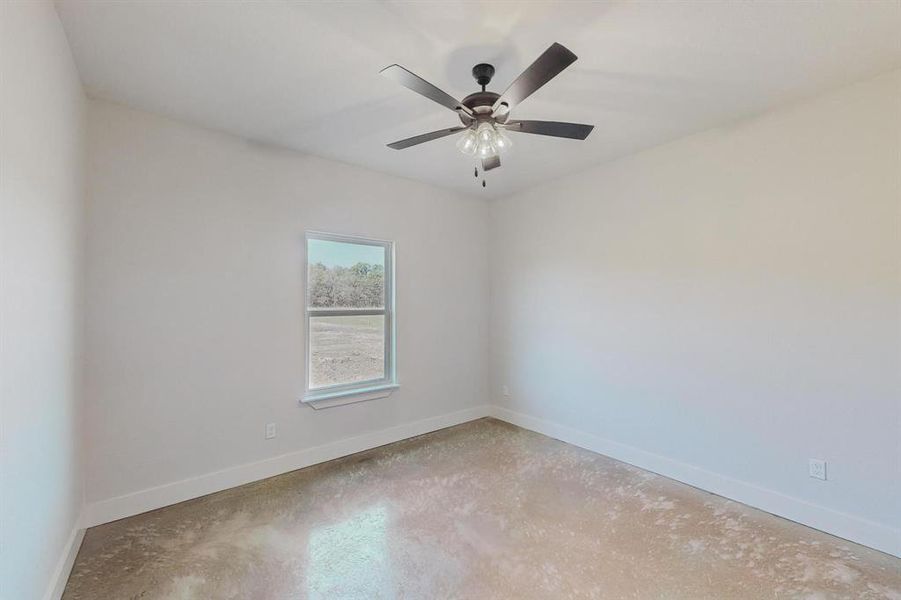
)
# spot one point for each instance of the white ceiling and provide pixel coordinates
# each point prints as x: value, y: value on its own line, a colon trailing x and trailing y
x: 306, y: 75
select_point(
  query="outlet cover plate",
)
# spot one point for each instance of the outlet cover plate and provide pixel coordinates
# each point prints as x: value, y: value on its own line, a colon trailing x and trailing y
x: 817, y: 468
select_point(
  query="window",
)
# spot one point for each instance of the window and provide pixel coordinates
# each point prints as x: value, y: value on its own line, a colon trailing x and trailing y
x: 349, y: 319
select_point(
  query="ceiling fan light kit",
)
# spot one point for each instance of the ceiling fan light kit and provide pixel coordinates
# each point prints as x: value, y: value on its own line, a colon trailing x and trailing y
x: 485, y: 115
x: 484, y: 140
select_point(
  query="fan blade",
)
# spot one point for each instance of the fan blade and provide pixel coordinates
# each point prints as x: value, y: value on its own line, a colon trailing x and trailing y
x: 546, y: 67
x: 425, y: 137
x: 492, y: 162
x: 423, y: 87
x: 575, y: 131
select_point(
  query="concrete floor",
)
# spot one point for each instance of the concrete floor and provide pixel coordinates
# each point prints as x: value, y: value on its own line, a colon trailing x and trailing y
x: 483, y: 510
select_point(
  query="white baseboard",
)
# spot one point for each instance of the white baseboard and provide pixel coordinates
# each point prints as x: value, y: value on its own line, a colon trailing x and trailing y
x: 64, y: 566
x: 135, y: 503
x: 875, y: 535
x: 850, y: 527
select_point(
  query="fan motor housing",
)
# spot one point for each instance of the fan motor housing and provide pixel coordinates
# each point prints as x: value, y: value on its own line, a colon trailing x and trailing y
x: 480, y: 101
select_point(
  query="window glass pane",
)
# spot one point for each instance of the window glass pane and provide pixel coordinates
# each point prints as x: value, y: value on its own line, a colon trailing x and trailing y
x: 345, y: 275
x: 346, y: 349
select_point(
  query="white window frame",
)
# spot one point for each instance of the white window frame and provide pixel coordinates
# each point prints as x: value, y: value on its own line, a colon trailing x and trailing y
x: 346, y: 393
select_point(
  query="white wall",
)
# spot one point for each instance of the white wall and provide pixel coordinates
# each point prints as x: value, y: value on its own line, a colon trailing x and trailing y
x: 41, y: 192
x: 729, y: 301
x: 195, y: 298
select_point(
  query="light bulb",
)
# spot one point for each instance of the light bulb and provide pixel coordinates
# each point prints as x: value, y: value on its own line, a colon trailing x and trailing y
x: 502, y: 142
x: 486, y: 149
x: 486, y: 133
x: 467, y: 142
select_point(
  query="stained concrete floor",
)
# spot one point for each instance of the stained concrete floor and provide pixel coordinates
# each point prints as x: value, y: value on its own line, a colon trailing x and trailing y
x: 483, y: 510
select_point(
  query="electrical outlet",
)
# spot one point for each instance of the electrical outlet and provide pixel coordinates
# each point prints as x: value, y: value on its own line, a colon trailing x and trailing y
x: 270, y: 431
x: 506, y: 391
x: 817, y: 468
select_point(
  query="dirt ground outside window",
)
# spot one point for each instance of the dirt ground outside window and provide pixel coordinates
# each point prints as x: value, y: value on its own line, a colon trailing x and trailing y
x: 346, y: 349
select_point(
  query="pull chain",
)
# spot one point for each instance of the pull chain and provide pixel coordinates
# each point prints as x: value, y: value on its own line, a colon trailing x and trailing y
x: 475, y: 173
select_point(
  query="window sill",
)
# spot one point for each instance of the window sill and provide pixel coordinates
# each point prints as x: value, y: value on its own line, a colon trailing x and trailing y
x: 329, y: 399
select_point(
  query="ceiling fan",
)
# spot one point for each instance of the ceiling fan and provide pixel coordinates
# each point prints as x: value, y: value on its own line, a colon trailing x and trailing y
x: 485, y: 115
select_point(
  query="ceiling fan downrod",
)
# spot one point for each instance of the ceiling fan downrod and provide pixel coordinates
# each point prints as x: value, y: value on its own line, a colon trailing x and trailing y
x: 483, y: 72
